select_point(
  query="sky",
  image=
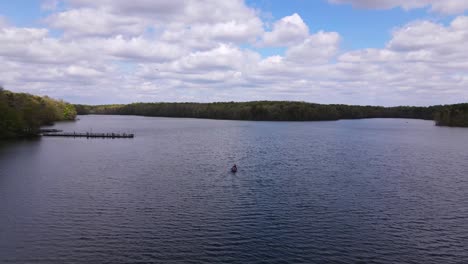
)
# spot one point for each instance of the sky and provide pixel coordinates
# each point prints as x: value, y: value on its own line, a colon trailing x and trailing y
x: 367, y: 52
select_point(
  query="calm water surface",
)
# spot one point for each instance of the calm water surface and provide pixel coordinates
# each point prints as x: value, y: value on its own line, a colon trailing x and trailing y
x: 362, y: 191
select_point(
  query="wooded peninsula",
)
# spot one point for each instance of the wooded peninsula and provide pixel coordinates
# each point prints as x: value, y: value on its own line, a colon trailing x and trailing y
x: 21, y: 114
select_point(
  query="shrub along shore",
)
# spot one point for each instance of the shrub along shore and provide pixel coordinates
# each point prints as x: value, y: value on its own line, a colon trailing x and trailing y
x: 443, y: 115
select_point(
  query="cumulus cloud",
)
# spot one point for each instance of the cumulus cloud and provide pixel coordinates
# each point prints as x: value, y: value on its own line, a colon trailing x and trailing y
x: 138, y: 49
x: 449, y: 6
x: 287, y: 31
x: 443, y: 7
x: 154, y: 8
x: 423, y: 60
x: 186, y: 11
x: 317, y: 48
x: 209, y: 17
x: 224, y: 57
x: 94, y: 22
x: 184, y: 50
x: 33, y: 45
x: 429, y: 36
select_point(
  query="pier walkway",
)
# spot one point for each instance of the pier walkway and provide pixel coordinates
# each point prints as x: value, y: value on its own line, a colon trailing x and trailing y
x: 89, y: 135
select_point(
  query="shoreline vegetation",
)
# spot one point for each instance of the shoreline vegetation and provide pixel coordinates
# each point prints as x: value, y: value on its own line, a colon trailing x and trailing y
x: 22, y: 115
x: 444, y: 115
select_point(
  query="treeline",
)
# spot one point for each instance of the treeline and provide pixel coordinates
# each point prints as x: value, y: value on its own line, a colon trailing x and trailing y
x: 453, y: 115
x: 23, y: 114
x: 282, y: 111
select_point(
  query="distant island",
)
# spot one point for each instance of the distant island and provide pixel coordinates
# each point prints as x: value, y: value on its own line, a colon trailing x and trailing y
x: 21, y: 114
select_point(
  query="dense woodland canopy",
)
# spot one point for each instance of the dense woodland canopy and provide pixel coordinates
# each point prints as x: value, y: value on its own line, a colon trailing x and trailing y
x: 452, y: 115
x: 444, y: 115
x: 22, y: 114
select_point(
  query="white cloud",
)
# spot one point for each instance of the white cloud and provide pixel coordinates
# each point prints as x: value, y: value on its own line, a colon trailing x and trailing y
x: 186, y: 11
x: 224, y: 57
x: 438, y: 6
x: 222, y: 20
x: 231, y: 31
x: 138, y: 49
x: 153, y: 8
x: 317, y: 48
x: 32, y: 45
x: 423, y: 61
x: 49, y: 5
x: 3, y: 22
x: 449, y: 6
x: 141, y: 50
x: 82, y: 72
x: 95, y: 22
x: 287, y: 31
x: 431, y: 42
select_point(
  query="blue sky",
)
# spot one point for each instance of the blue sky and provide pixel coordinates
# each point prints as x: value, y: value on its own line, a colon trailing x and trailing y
x: 360, y: 28
x: 21, y: 12
x: 388, y: 52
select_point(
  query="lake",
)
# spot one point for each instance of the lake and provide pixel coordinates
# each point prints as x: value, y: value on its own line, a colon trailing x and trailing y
x: 350, y: 191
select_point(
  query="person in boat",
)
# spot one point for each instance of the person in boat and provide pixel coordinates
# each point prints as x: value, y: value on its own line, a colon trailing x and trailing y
x: 234, y: 168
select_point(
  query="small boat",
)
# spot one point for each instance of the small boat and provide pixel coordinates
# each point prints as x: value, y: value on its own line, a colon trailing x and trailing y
x: 234, y: 169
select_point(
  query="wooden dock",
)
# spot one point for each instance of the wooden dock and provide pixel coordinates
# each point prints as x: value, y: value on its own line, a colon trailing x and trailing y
x: 89, y: 135
x: 49, y: 130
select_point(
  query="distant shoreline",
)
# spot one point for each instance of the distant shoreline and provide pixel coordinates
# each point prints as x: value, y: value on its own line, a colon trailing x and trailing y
x: 443, y: 115
x: 22, y: 115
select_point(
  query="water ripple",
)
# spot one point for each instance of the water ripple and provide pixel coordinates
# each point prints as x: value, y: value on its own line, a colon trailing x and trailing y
x: 368, y: 191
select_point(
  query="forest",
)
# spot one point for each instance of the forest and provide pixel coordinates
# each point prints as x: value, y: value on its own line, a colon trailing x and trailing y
x: 21, y: 114
x: 452, y: 115
x: 443, y: 115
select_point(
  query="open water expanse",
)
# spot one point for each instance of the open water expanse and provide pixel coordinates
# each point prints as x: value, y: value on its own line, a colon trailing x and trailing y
x: 351, y: 191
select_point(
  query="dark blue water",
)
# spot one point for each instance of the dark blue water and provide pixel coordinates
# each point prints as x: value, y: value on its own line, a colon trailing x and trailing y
x: 362, y: 191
